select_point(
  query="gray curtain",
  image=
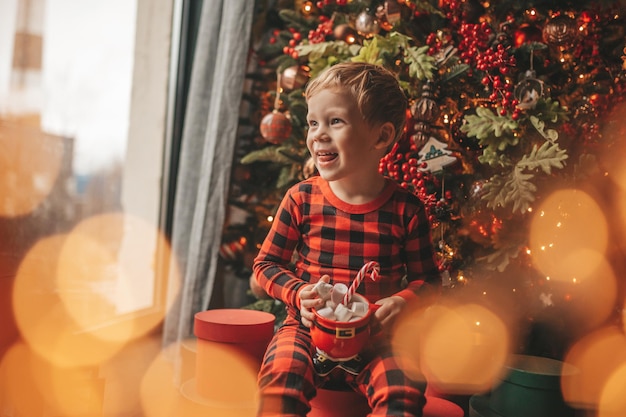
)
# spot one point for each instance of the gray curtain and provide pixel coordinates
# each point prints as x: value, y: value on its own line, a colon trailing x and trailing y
x: 208, y: 143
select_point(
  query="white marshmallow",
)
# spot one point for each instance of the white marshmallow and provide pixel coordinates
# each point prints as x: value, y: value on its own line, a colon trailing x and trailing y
x: 338, y: 292
x: 323, y: 289
x: 359, y: 308
x: 342, y: 313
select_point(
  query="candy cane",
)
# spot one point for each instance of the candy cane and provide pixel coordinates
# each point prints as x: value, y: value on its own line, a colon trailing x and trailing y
x: 374, y: 270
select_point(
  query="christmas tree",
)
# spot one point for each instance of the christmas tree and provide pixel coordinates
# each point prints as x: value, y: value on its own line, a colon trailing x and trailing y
x: 509, y: 101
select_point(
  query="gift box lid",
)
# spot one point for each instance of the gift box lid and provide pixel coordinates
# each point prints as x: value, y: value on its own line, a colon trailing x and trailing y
x: 538, y: 372
x: 233, y: 325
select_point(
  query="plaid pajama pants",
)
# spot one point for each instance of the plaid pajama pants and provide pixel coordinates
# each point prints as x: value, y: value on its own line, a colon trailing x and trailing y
x: 288, y: 381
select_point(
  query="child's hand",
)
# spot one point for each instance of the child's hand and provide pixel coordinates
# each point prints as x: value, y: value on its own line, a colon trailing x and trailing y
x: 309, y: 299
x: 390, y: 307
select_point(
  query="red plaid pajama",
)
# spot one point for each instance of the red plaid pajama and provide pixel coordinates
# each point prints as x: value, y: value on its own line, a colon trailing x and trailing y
x: 288, y: 382
x: 332, y: 237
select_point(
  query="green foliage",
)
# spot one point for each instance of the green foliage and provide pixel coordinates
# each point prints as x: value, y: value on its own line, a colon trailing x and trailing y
x: 421, y: 65
x: 370, y: 52
x: 514, y: 188
x: 540, y: 125
x: 485, y: 124
x: 501, y: 256
x: 510, y: 189
x: 268, y: 154
x: 325, y: 54
x: 550, y: 110
x: 545, y: 157
x: 297, y: 21
x: 453, y: 72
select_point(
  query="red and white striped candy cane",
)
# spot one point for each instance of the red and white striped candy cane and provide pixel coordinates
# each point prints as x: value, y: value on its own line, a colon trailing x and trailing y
x: 374, y: 270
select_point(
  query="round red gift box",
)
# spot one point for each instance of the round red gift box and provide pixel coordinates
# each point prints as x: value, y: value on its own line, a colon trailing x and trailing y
x: 247, y: 332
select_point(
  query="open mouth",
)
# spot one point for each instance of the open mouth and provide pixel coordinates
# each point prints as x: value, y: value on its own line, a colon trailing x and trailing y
x: 326, y: 156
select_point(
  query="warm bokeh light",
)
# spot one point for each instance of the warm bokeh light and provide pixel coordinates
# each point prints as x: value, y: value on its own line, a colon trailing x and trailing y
x: 107, y: 268
x: 71, y: 292
x: 42, y: 318
x: 620, y: 215
x: 30, y: 162
x: 159, y: 395
x: 593, y: 295
x: 460, y: 349
x: 35, y: 387
x: 123, y: 374
x: 597, y: 356
x: 612, y: 398
x: 231, y: 379
x: 18, y: 389
x: 566, y: 223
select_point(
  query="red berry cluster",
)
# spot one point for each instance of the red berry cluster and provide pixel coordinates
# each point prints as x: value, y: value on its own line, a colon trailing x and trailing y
x: 493, y: 60
x: 324, y: 29
x: 290, y: 48
x: 435, y: 43
x: 403, y: 166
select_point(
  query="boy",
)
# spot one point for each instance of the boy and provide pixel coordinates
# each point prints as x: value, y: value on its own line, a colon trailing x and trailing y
x: 336, y: 222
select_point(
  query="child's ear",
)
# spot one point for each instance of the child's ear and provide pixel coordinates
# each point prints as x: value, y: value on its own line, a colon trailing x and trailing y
x: 386, y: 136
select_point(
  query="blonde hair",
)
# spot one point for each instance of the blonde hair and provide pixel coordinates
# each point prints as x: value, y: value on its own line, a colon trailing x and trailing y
x: 378, y: 94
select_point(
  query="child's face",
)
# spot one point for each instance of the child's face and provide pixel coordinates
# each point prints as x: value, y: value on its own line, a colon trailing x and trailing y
x: 341, y: 143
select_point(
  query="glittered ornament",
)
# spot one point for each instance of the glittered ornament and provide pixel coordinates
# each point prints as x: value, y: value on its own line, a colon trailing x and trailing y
x: 367, y: 25
x: 294, y: 77
x: 560, y: 31
x: 529, y: 91
x: 275, y: 127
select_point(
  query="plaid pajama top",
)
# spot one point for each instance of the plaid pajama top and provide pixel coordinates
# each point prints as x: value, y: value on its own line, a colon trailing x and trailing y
x: 332, y: 237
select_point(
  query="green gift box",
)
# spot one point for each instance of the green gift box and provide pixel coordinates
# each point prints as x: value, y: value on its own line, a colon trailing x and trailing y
x: 531, y: 387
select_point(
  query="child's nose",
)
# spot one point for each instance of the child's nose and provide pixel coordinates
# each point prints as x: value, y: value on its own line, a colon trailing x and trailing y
x: 320, y: 134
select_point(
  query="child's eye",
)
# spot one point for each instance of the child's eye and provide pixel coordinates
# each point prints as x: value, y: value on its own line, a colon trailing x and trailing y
x: 312, y: 123
x: 335, y: 120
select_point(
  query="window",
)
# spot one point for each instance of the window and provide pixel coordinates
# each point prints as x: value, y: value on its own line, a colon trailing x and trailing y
x: 83, y: 119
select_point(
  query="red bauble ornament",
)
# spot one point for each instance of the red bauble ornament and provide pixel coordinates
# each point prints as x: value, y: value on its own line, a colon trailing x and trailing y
x: 275, y: 127
x: 527, y: 33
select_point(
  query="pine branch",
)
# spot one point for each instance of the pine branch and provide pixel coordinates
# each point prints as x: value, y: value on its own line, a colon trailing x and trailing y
x: 267, y: 154
x: 454, y: 71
